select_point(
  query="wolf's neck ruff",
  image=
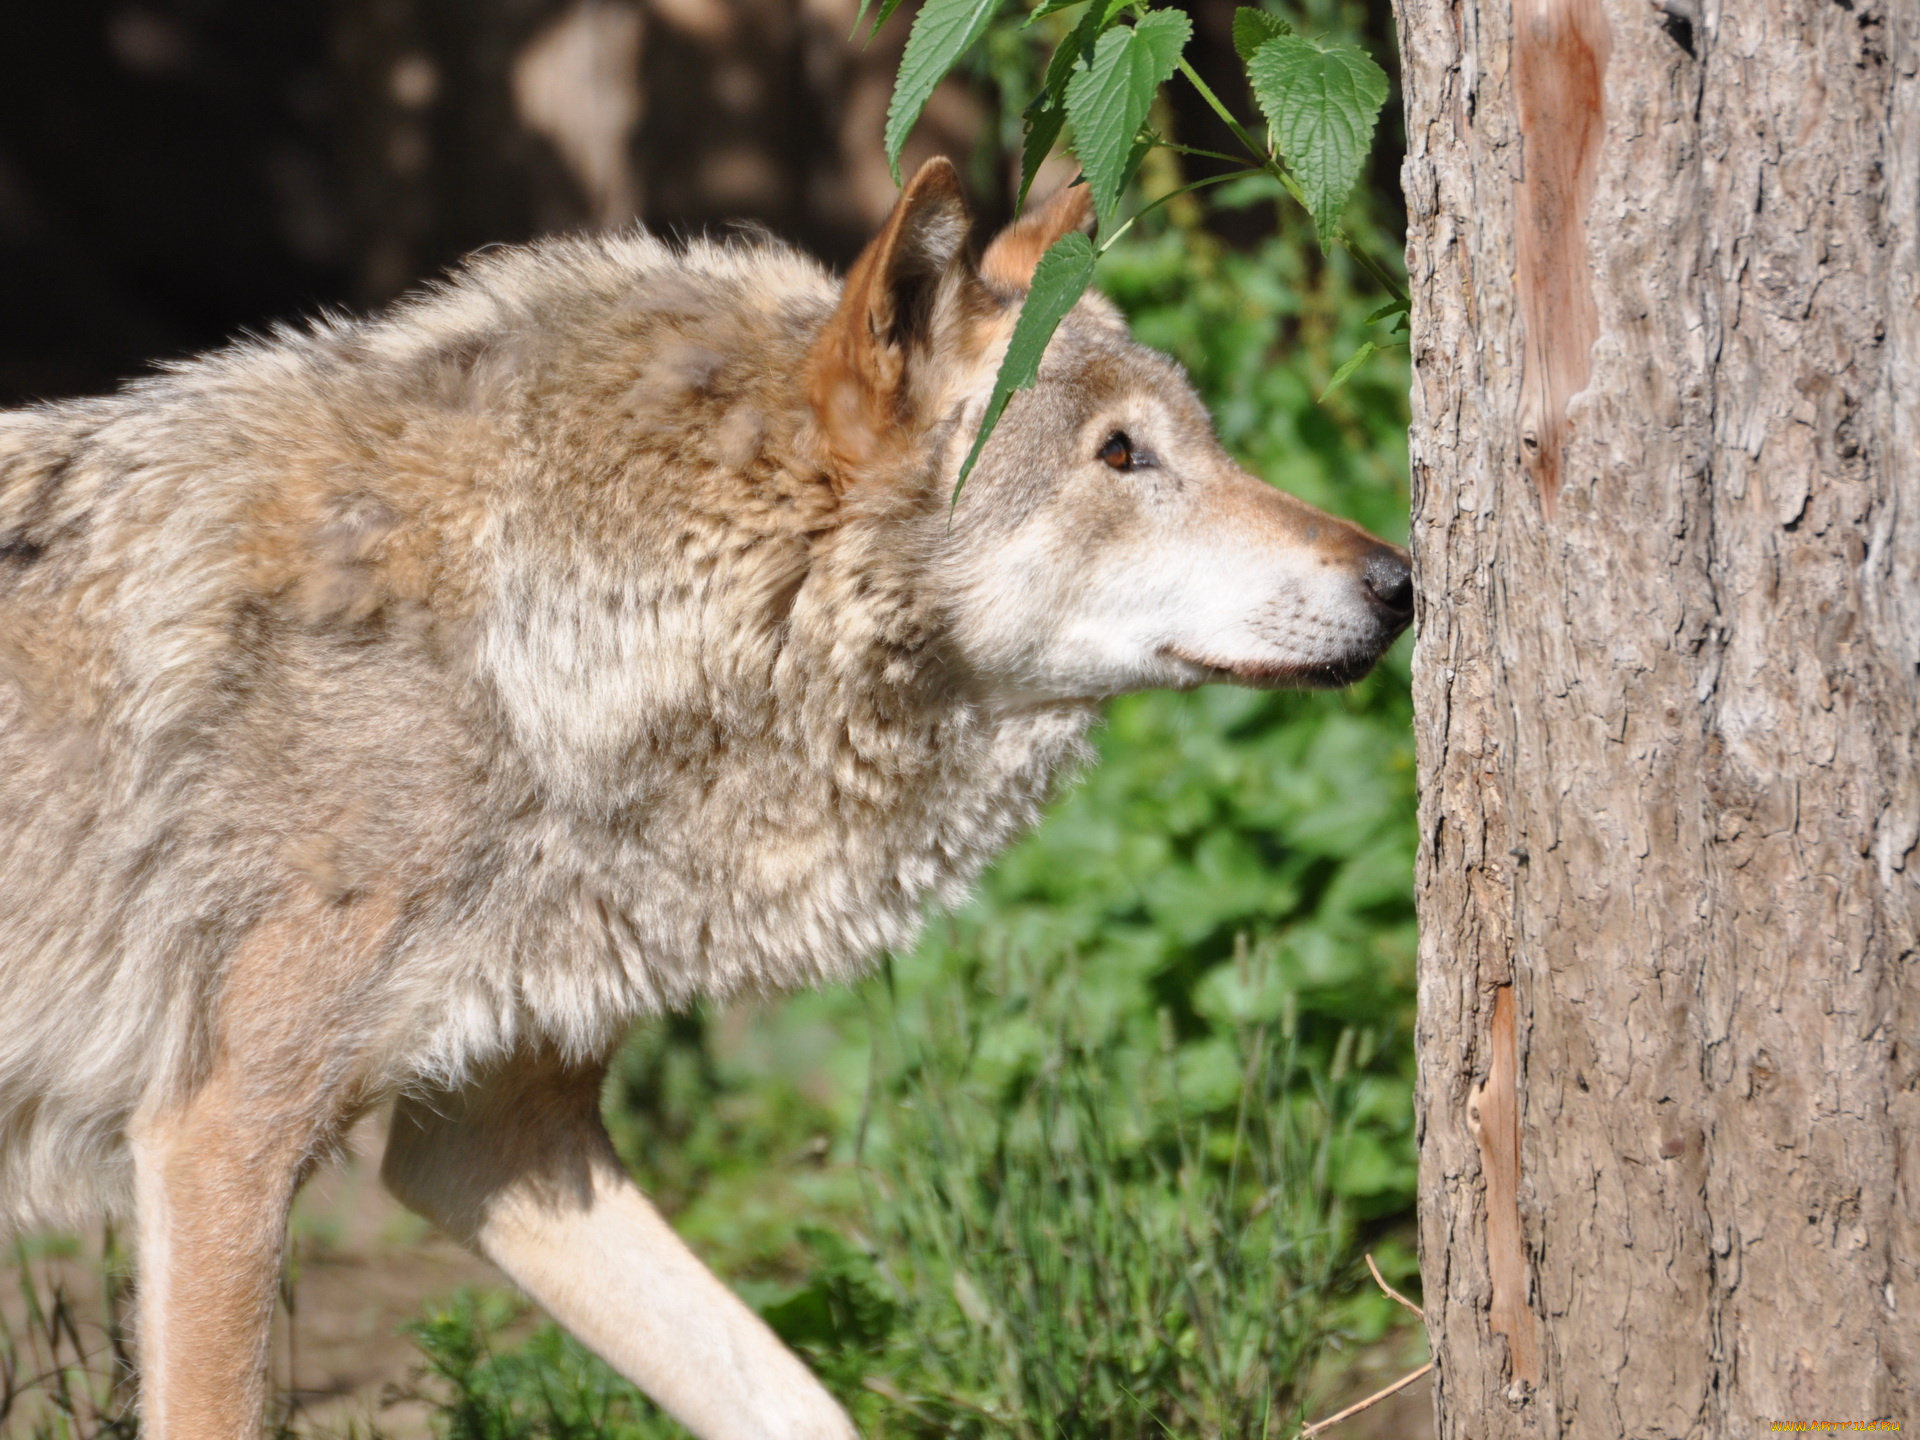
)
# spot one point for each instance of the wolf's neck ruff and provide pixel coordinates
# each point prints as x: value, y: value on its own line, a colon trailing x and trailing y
x: 748, y: 754
x: 783, y: 778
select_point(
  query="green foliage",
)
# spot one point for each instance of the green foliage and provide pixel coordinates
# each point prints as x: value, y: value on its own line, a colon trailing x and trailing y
x: 548, y: 1387
x: 1086, y: 1246
x: 1322, y: 99
x: 1059, y: 280
x: 742, y: 1131
x: 843, y: 1317
x: 1048, y: 111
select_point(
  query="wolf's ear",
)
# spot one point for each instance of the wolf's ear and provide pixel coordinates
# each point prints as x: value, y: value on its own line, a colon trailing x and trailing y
x: 1016, y: 250
x: 860, y: 374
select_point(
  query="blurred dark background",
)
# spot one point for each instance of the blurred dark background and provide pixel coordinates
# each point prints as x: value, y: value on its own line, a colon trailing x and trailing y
x: 175, y: 171
x: 172, y: 171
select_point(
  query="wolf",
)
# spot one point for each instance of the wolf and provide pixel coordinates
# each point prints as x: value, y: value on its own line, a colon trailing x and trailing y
x: 394, y: 709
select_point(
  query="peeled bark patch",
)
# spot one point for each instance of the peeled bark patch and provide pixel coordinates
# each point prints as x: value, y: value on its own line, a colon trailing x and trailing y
x: 1559, y: 80
x: 1494, y: 1115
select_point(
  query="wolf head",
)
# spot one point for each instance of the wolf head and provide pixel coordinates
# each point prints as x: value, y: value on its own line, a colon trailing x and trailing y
x: 1104, y: 541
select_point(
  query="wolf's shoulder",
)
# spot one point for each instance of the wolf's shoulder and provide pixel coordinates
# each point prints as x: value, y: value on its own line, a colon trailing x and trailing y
x: 550, y: 277
x: 416, y: 402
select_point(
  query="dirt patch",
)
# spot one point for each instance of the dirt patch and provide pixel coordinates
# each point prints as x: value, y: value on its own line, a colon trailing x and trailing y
x: 360, y: 1267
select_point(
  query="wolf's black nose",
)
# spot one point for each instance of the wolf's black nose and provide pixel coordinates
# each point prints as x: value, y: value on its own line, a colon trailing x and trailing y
x: 1390, y: 580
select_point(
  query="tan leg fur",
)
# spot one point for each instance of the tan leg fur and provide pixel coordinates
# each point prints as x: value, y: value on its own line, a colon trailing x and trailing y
x: 213, y: 1191
x: 519, y: 1166
x: 215, y: 1170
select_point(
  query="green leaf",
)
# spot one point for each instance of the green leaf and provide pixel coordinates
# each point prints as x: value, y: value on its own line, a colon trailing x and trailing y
x: 1051, y: 7
x: 1043, y: 128
x: 1252, y: 29
x: 1164, y: 34
x: 1108, y: 101
x: 942, y: 32
x: 1322, y: 99
x: 1392, y: 307
x: 1048, y: 112
x: 1059, y: 280
x: 887, y: 7
x: 1344, y: 373
x: 1076, y: 50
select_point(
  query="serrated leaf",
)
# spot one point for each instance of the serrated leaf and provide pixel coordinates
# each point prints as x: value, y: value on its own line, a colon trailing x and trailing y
x: 1392, y: 307
x: 1164, y: 33
x: 942, y: 32
x: 1253, y: 28
x: 1322, y: 99
x: 1077, y: 50
x: 1048, y: 112
x: 1345, y: 372
x: 1108, y: 101
x: 1059, y: 280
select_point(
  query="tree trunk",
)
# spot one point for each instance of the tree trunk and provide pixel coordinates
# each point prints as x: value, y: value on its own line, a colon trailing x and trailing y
x: 1666, y: 477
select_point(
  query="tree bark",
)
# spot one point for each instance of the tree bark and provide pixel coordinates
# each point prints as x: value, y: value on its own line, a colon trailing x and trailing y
x: 1666, y: 479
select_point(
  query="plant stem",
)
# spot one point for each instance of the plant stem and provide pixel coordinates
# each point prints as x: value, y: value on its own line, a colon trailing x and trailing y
x: 1372, y: 267
x: 1179, y: 149
x: 1213, y: 101
x: 1106, y: 244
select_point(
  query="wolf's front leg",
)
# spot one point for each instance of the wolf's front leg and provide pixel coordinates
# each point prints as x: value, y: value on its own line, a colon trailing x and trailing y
x: 213, y: 1179
x: 519, y: 1166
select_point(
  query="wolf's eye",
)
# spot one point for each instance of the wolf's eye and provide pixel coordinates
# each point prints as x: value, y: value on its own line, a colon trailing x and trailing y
x: 1117, y: 451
